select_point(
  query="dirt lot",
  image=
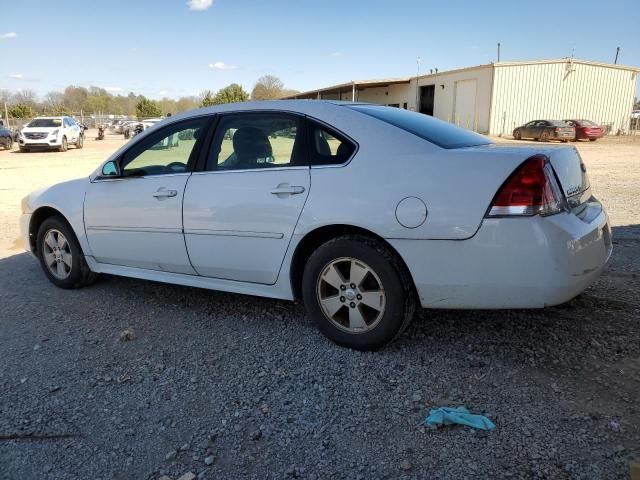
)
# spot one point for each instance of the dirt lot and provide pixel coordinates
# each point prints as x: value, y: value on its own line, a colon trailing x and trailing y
x: 227, y: 386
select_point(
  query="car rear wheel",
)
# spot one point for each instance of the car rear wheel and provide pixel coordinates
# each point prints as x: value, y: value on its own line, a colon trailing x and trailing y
x: 358, y: 292
x: 592, y: 139
x: 544, y: 137
x: 63, y: 146
x: 80, y: 142
x: 60, y: 255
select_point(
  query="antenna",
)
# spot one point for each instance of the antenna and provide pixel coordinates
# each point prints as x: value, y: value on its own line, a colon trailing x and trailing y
x: 617, y: 52
x: 498, y: 51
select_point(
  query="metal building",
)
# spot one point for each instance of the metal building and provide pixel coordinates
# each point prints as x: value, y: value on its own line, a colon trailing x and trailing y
x: 497, y: 97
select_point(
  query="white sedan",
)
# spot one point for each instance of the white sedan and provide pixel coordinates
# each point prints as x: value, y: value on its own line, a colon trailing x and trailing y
x: 363, y: 211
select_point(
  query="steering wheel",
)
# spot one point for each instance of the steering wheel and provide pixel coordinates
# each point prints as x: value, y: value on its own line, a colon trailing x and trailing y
x: 177, y: 167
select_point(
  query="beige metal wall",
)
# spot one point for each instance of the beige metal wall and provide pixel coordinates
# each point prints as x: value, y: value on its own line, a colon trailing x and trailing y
x: 452, y: 101
x: 561, y: 90
x: 390, y: 95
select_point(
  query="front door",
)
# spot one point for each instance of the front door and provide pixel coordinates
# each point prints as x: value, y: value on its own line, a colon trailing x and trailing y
x: 135, y: 219
x: 241, y: 210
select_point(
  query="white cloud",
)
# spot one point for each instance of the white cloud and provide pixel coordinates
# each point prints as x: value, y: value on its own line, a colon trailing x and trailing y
x: 163, y: 92
x: 199, y: 5
x: 17, y: 76
x: 222, y: 66
x: 336, y: 54
x: 8, y: 35
x: 113, y: 89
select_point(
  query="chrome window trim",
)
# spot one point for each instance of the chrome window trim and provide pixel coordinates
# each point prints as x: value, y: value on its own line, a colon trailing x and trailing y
x: 100, y: 179
x: 249, y: 170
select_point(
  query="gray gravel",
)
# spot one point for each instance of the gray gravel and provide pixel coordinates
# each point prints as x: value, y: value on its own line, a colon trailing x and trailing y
x: 212, y: 385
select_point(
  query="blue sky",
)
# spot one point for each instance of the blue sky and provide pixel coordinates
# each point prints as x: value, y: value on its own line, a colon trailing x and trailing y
x: 170, y: 48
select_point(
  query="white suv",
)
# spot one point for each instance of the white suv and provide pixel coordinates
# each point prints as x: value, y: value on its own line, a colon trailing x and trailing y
x: 51, y: 132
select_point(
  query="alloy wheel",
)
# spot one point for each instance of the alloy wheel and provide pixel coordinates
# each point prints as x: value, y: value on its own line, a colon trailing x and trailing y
x: 351, y: 295
x: 57, y: 254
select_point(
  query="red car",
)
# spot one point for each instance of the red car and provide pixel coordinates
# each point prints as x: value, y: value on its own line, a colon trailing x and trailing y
x: 586, y: 129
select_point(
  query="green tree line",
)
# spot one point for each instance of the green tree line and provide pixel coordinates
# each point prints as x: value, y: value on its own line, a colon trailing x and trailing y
x: 75, y: 99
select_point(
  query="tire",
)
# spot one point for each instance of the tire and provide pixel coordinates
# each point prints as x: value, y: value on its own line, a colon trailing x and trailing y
x: 385, y: 282
x: 544, y: 136
x: 8, y: 144
x: 71, y: 273
x: 80, y: 142
x: 593, y: 139
x: 63, y: 146
x: 517, y: 135
x: 565, y: 141
x: 24, y: 149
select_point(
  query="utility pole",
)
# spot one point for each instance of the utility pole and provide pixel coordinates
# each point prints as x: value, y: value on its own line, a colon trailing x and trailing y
x: 6, y: 114
x: 418, y: 60
x: 498, y: 51
x: 617, y: 52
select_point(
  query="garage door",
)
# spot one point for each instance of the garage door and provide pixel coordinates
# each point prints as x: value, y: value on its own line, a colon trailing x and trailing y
x: 465, y: 104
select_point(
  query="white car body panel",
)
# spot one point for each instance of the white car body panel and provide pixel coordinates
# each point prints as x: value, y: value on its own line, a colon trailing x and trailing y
x: 122, y: 212
x: 242, y: 240
x: 235, y: 228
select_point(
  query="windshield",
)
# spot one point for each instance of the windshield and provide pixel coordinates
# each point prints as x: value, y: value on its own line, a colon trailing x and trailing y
x: 45, y: 122
x: 438, y: 132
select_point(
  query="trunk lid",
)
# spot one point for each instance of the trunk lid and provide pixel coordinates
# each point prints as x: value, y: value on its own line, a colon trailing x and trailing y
x: 571, y: 173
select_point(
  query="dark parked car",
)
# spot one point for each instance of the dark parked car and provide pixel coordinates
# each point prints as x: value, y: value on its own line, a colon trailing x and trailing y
x: 6, y: 138
x: 586, y: 129
x: 545, y: 130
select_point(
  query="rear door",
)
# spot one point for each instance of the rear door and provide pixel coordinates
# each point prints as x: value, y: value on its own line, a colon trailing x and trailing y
x: 241, y: 209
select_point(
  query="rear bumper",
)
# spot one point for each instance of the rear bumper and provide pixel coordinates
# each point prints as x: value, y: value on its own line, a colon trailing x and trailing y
x: 582, y: 135
x: 511, y: 262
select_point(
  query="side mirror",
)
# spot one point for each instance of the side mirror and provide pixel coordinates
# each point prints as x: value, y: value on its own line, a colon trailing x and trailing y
x: 110, y: 169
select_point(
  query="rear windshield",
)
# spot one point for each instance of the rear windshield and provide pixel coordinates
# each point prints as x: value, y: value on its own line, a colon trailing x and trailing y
x: 45, y: 122
x: 586, y: 123
x: 558, y: 123
x: 442, y: 134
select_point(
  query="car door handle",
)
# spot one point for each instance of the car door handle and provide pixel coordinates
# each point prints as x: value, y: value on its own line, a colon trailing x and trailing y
x: 163, y: 193
x: 286, y: 189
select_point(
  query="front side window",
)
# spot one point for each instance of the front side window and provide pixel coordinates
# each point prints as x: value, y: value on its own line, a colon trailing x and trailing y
x: 328, y: 148
x: 256, y: 140
x: 166, y: 151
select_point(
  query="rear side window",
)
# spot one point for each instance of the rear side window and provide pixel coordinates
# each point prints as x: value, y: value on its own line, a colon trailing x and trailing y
x: 431, y: 129
x: 328, y: 147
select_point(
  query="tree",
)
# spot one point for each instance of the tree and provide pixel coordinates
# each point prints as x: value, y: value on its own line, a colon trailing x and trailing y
x: 207, y: 99
x: 230, y: 94
x: 147, y: 108
x: 267, y: 87
x: 75, y: 97
x: 22, y: 110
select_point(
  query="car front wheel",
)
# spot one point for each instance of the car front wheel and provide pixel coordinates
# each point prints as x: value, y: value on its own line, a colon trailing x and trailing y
x: 60, y: 255
x: 63, y: 146
x: 358, y: 292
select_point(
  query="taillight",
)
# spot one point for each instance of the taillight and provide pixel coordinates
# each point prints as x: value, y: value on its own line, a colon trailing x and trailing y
x: 532, y: 189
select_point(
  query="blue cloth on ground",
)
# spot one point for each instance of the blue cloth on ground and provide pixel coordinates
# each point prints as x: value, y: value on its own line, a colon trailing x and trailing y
x: 458, y: 415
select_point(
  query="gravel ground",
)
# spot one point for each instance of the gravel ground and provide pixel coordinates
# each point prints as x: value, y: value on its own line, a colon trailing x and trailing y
x: 139, y: 380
